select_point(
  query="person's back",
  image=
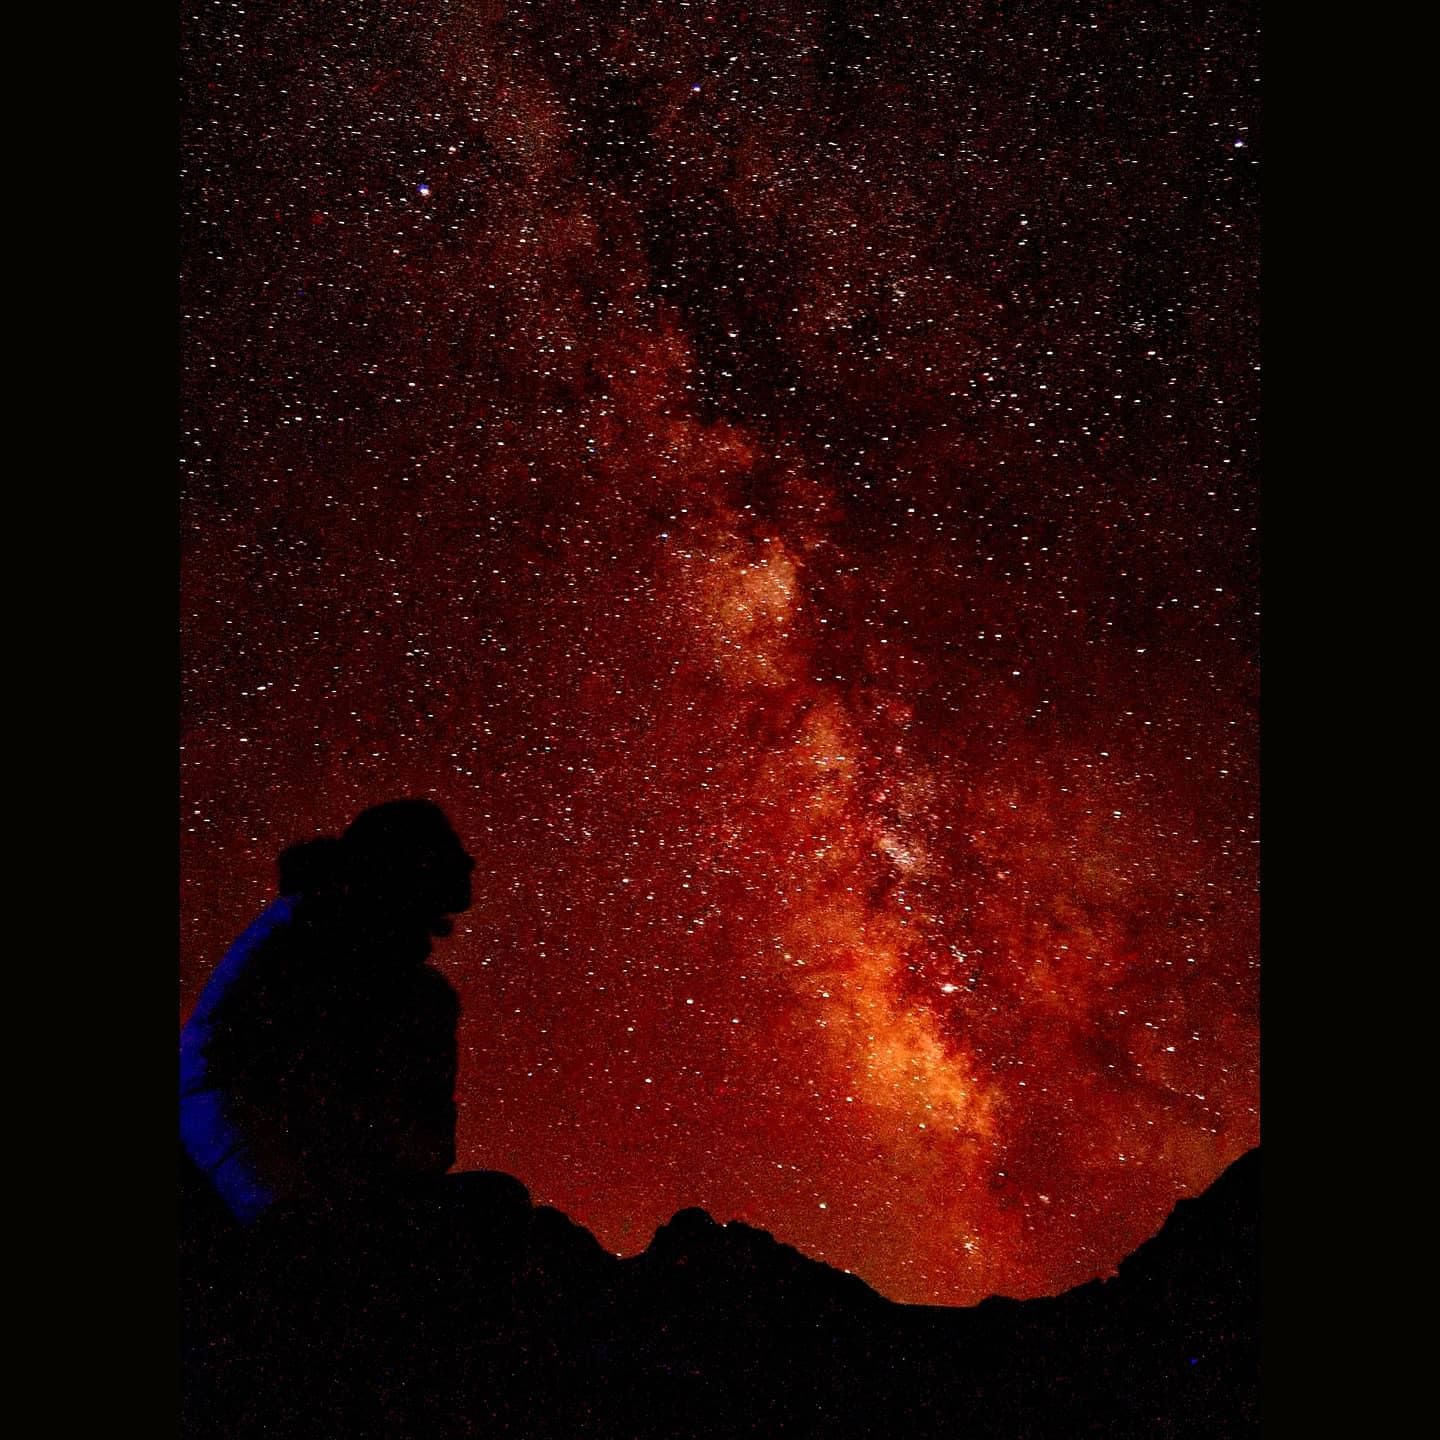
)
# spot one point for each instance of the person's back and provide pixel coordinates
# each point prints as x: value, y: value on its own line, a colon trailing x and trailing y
x: 213, y: 1130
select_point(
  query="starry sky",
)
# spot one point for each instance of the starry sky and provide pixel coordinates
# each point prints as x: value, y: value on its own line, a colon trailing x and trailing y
x: 783, y: 476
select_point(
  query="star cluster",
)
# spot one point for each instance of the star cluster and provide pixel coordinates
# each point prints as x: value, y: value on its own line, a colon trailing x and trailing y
x: 783, y: 476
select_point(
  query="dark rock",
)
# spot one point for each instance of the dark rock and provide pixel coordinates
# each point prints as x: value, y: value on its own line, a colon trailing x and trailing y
x: 459, y: 1308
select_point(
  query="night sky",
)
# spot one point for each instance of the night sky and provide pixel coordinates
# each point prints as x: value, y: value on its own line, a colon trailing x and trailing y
x: 783, y: 476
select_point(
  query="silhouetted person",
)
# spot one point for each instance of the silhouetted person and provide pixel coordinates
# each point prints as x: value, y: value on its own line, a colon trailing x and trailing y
x: 319, y: 1063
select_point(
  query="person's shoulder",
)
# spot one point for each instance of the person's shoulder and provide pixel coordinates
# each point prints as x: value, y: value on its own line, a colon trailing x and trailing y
x: 280, y: 912
x: 275, y: 920
x: 281, y: 918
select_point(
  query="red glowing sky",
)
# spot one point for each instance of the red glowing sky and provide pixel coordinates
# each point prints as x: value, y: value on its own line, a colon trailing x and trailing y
x: 784, y: 482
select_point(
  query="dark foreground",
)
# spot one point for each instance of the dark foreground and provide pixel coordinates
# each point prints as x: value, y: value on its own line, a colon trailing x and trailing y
x: 464, y: 1310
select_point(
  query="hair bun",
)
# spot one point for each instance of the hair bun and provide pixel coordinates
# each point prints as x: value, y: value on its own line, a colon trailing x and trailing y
x: 310, y: 865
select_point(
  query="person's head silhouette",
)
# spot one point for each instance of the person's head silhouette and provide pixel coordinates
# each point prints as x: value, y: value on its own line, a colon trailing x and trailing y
x: 398, y: 866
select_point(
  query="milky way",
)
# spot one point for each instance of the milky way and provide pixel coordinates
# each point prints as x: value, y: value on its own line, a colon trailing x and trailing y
x: 783, y: 477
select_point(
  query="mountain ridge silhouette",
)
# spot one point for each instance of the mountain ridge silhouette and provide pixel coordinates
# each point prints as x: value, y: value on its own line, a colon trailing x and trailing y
x: 463, y: 1308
